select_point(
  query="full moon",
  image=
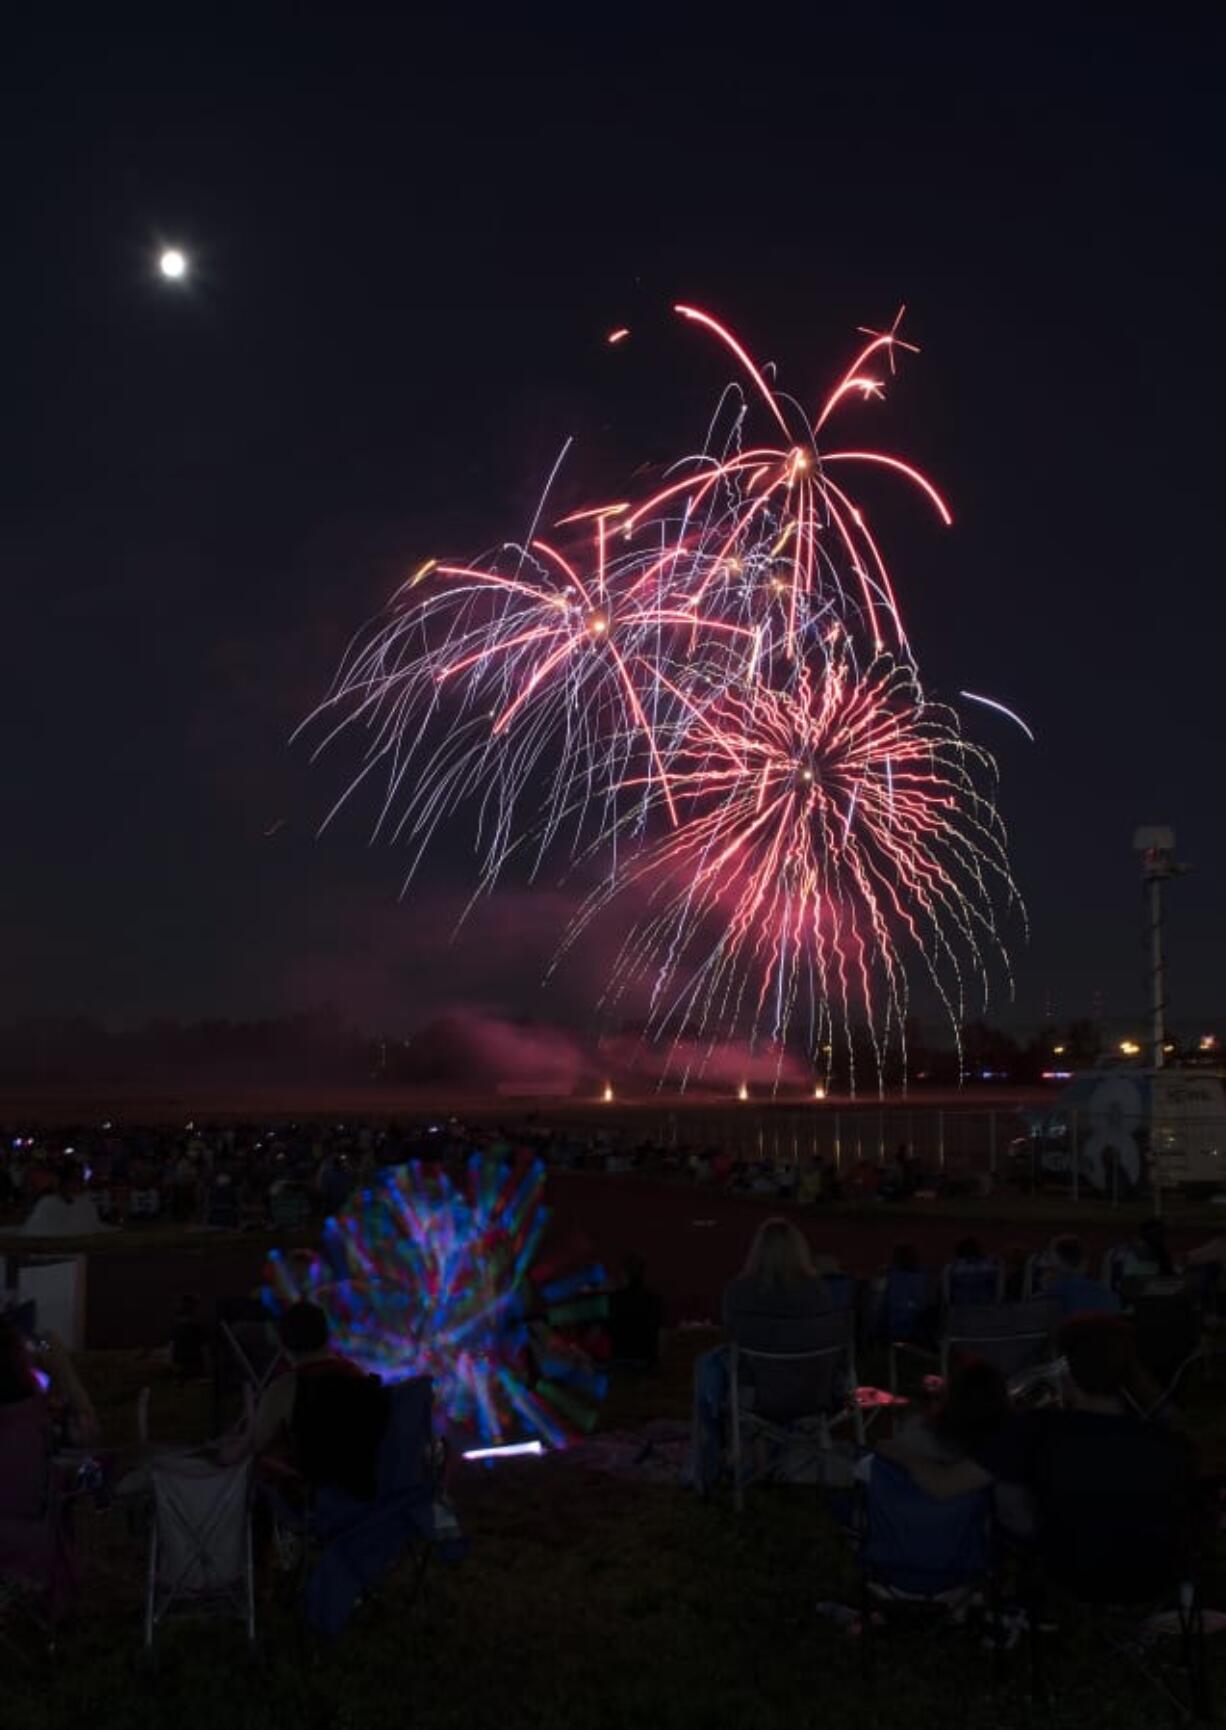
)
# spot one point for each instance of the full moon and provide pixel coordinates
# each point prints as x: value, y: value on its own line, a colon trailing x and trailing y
x: 173, y: 264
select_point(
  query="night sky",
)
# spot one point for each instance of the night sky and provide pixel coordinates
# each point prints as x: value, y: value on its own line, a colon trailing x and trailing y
x: 408, y: 242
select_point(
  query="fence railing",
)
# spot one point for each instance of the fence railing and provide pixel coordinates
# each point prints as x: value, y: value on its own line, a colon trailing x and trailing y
x: 1044, y: 1147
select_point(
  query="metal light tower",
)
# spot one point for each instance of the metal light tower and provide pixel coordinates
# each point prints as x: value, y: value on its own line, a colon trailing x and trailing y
x: 1156, y: 845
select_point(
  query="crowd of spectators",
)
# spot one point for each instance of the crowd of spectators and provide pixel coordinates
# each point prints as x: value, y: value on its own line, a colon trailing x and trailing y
x: 1084, y: 1484
x: 235, y: 1175
x: 1093, y: 1488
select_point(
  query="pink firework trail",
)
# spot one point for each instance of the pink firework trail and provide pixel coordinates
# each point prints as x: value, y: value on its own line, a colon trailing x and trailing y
x: 831, y: 831
x: 707, y: 694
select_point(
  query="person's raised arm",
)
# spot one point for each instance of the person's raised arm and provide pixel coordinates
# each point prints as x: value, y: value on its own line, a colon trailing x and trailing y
x: 65, y: 1378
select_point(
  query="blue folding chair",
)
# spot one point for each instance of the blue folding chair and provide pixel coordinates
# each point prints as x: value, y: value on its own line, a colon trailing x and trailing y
x: 973, y: 1282
x: 906, y: 1317
x: 918, y: 1554
x: 789, y: 1382
x: 906, y: 1304
x: 358, y: 1541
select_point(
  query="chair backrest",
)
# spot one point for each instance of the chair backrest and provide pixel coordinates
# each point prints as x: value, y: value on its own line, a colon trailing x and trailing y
x: 1122, y: 1262
x: 973, y: 1282
x: 917, y: 1544
x: 245, y: 1347
x: 1166, y: 1327
x: 338, y: 1426
x: 1037, y: 1266
x: 798, y: 1366
x: 404, y: 1454
x: 1011, y: 1336
x: 906, y: 1298
x: 1116, y: 1504
x: 201, y: 1515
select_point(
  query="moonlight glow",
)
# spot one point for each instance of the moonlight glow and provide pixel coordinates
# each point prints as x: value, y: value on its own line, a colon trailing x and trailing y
x: 173, y: 264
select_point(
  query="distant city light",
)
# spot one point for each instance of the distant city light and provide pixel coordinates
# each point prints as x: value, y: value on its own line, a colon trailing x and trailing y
x: 1129, y: 1048
x: 742, y: 1092
x: 819, y: 1092
x: 607, y: 1095
x: 1208, y: 1042
x: 1057, y: 1051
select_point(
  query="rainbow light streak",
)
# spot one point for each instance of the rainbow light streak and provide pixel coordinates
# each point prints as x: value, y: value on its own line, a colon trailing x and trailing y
x: 702, y: 695
x: 419, y: 1277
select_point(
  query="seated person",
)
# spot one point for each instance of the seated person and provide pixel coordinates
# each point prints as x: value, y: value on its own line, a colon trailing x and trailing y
x: 779, y: 1280
x: 778, y: 1285
x: 29, y: 1547
x: 969, y: 1416
x: 1016, y: 1259
x: 324, y: 1415
x: 1145, y: 1255
x: 1067, y: 1280
x: 635, y: 1315
x: 892, y: 1178
x: 188, y: 1340
x: 1113, y: 1496
x: 905, y: 1308
x: 973, y: 1274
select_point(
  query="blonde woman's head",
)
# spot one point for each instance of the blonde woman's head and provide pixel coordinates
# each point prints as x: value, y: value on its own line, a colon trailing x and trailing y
x: 779, y: 1255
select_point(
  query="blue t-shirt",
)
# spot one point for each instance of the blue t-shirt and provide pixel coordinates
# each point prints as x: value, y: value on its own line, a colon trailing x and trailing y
x: 1079, y: 1295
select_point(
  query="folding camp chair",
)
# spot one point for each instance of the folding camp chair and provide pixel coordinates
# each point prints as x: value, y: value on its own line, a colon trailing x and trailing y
x: 200, y: 1542
x: 355, y: 1542
x: 1037, y: 1266
x: 973, y: 1282
x: 793, y: 1387
x: 1014, y: 1337
x: 1125, y: 1271
x: 1119, y: 1540
x: 919, y: 1556
x: 1169, y: 1339
x: 246, y: 1352
x: 841, y: 1290
x: 905, y: 1315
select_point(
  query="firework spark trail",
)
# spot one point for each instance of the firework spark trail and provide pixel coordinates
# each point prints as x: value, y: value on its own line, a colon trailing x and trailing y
x: 827, y: 829
x: 707, y: 694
